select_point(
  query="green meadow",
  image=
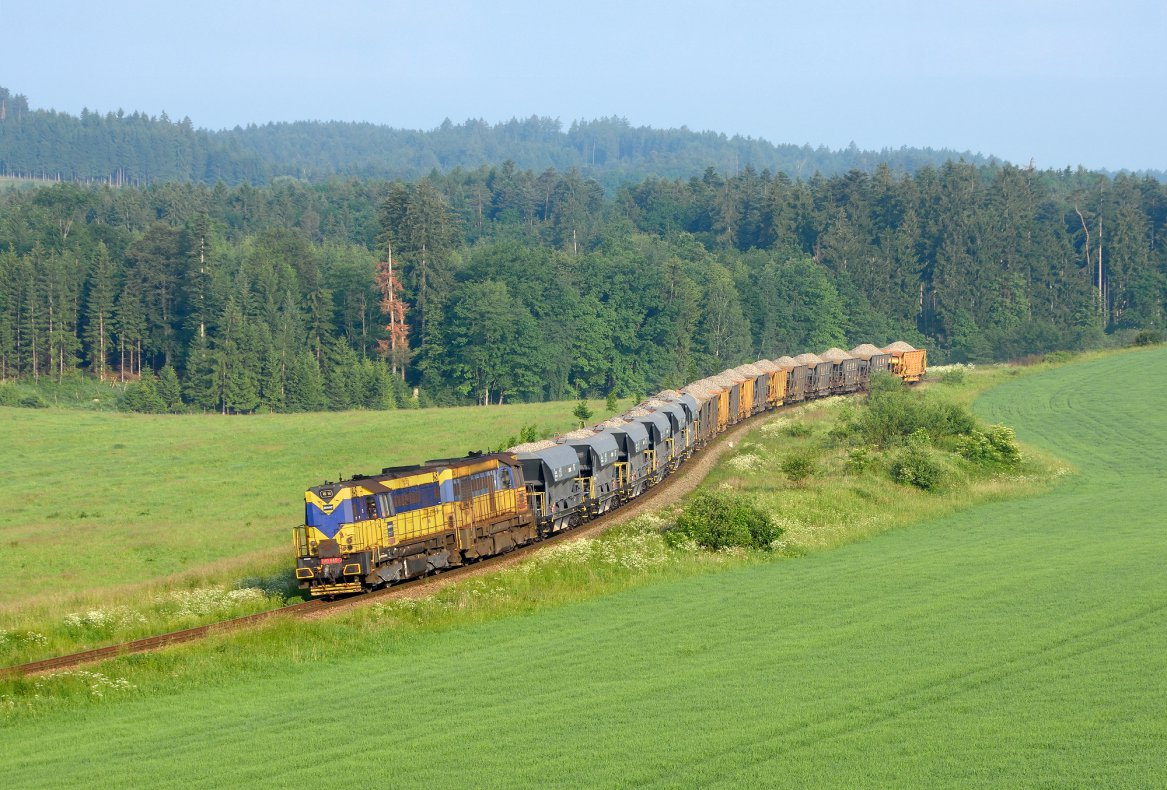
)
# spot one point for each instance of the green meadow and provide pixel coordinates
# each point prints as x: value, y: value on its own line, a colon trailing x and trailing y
x: 1020, y: 642
x: 95, y: 501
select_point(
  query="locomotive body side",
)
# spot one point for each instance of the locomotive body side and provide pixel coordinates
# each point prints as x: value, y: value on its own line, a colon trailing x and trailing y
x: 370, y: 531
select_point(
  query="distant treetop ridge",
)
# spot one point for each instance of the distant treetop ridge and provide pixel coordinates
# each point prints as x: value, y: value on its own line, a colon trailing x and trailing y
x: 138, y: 148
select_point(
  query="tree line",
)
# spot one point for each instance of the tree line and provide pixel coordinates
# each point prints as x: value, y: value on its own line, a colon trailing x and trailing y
x: 516, y: 284
x: 137, y: 148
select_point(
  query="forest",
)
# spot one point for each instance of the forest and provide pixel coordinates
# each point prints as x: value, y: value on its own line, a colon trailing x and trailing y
x: 140, y: 149
x: 515, y: 284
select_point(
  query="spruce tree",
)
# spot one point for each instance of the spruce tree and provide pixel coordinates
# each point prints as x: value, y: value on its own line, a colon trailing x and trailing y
x: 99, y: 302
x: 169, y: 390
x: 198, y: 386
x: 305, y: 388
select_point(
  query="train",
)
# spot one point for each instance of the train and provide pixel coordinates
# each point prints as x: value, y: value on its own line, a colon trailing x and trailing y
x: 370, y: 531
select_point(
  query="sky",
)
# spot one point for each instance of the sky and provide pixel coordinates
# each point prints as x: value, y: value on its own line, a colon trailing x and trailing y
x: 1060, y: 84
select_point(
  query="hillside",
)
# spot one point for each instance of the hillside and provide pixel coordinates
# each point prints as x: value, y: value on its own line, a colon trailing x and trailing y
x: 1017, y: 643
x: 138, y: 148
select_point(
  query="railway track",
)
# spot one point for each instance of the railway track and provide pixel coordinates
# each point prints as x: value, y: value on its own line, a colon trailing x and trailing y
x: 684, y: 479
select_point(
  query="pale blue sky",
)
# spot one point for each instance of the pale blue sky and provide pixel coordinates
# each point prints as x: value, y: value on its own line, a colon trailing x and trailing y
x: 1064, y: 83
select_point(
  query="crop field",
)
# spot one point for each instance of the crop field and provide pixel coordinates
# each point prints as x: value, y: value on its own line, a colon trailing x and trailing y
x: 1015, y: 643
x: 96, y: 500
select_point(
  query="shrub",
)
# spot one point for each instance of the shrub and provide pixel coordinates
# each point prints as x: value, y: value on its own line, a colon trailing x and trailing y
x: 32, y: 400
x: 954, y: 377
x: 1149, y: 337
x: 1004, y: 441
x: 13, y: 396
x: 1057, y: 357
x: 894, y: 412
x: 859, y: 460
x: 528, y: 433
x: 799, y: 429
x: 918, y: 466
x: 721, y: 519
x: 998, y: 447
x: 142, y: 396
x: 798, y: 467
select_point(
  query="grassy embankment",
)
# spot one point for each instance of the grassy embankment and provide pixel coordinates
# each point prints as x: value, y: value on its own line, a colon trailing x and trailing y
x: 108, y: 511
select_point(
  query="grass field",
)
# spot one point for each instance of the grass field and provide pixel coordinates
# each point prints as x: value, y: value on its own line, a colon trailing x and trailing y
x: 1018, y: 643
x: 95, y: 501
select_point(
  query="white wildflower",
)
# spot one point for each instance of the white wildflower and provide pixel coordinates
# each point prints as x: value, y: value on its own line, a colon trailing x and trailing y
x: 104, y: 618
x: 746, y: 462
x: 207, y: 600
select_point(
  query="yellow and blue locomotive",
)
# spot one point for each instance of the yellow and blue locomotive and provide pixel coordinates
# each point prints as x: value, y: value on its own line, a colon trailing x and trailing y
x: 373, y: 530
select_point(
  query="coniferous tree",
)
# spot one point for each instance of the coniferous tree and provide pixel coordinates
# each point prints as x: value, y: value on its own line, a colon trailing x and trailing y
x: 99, y: 310
x: 129, y: 325
x: 9, y: 314
x: 199, y: 386
x: 169, y: 389
x: 305, y: 387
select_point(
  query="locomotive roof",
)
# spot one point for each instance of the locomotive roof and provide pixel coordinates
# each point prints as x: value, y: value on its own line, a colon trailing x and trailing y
x: 395, y: 472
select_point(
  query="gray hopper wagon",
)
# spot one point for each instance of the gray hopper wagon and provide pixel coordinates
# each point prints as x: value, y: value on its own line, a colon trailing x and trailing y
x: 635, y: 457
x: 553, y: 486
x: 598, y: 456
x: 871, y: 360
x: 845, y: 375
x: 660, y: 437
